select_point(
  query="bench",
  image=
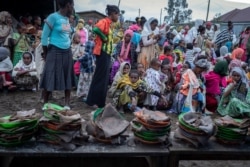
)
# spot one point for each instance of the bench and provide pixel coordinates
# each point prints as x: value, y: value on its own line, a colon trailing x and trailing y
x: 213, y: 151
x: 156, y: 154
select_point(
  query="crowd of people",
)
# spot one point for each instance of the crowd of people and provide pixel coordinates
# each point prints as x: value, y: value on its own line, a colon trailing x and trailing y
x: 164, y: 67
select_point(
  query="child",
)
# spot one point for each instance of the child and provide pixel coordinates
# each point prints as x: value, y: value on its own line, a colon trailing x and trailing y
x: 21, y: 43
x: 76, y: 47
x: 87, y: 70
x: 24, y: 72
x: 141, y: 71
x: 167, y: 54
x: 5, y: 67
x: 168, y: 79
x: 189, y: 57
x: 153, y: 81
x: 123, y: 70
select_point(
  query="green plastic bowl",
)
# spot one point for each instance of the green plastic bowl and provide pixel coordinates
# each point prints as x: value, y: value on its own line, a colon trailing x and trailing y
x: 13, y: 124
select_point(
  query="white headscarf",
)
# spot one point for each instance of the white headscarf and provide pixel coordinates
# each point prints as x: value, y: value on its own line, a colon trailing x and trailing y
x: 240, y: 71
x: 5, y: 62
x: 147, y: 28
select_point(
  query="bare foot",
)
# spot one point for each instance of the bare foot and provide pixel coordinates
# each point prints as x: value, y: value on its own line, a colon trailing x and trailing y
x: 7, y: 83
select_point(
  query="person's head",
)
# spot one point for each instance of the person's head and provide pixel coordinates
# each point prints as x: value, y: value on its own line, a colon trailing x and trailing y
x: 165, y: 69
x: 124, y: 68
x: 5, y: 18
x: 244, y: 66
x: 167, y: 50
x: 140, y: 68
x: 238, y: 74
x: 201, y: 65
x: 230, y: 25
x: 190, y: 46
x: 208, y: 25
x: 76, y: 38
x: 221, y: 68
x: 247, y: 31
x: 37, y: 20
x: 182, y: 43
x: 133, y: 76
x: 153, y: 23
x: 215, y: 27
x: 113, y: 12
x: 128, y: 35
x: 27, y: 58
x: 155, y: 64
x: 237, y: 53
x: 201, y: 29
x: 67, y: 5
x: 223, y: 51
x: 186, y: 65
x: 142, y: 21
x: 71, y: 19
x: 20, y: 28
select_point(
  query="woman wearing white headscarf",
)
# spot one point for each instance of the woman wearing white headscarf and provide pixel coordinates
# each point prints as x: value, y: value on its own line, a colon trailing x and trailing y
x: 150, y: 35
x: 235, y: 101
x: 5, y: 67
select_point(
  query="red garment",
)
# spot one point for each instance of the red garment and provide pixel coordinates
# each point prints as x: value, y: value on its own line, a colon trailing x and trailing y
x: 7, y: 76
x: 211, y: 103
x: 169, y: 57
x: 104, y: 26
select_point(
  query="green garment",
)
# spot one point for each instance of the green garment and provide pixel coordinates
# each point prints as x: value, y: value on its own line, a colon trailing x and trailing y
x: 233, y: 105
x: 221, y: 68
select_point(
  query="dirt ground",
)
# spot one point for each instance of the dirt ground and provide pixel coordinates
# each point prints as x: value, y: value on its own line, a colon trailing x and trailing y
x: 25, y: 100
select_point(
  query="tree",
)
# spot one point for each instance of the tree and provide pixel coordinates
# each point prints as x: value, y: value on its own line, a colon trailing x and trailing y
x: 178, y: 11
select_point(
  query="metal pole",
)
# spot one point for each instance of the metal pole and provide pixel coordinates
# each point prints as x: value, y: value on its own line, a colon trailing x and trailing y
x: 208, y: 6
x: 119, y: 3
x: 54, y: 5
x: 160, y: 16
x: 139, y: 12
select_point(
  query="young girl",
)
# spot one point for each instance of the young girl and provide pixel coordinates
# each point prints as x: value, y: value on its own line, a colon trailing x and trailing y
x: 82, y: 32
x: 87, y: 70
x: 125, y: 51
x: 21, y: 43
x: 153, y: 82
x: 168, y: 94
x: 167, y: 55
x: 123, y: 70
x: 24, y: 72
x: 76, y: 47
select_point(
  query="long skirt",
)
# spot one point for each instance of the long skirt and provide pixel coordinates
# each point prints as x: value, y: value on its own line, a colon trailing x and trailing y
x: 99, y: 85
x: 58, y: 71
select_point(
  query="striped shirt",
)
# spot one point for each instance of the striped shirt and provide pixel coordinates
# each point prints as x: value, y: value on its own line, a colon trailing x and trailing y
x: 224, y: 36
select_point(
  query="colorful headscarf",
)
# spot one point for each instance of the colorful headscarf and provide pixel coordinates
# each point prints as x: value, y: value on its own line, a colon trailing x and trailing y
x: 221, y: 68
x: 134, y: 28
x: 126, y: 81
x: 237, y: 53
x: 240, y: 71
x: 202, y: 63
x: 124, y: 51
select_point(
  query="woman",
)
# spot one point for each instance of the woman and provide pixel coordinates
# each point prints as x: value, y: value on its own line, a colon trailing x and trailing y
x: 215, y: 82
x: 58, y: 70
x: 236, y: 58
x: 6, y: 67
x: 24, y: 73
x: 199, y: 42
x: 125, y: 52
x: 102, y: 50
x: 150, y: 35
x: 235, y: 101
x: 191, y: 83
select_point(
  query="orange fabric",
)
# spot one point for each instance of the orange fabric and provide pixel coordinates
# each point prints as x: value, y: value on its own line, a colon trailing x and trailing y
x: 237, y: 53
x: 104, y: 26
x: 186, y: 82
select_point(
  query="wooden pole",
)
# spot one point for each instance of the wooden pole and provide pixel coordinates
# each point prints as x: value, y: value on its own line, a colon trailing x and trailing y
x: 208, y: 6
x: 119, y: 3
x: 160, y: 16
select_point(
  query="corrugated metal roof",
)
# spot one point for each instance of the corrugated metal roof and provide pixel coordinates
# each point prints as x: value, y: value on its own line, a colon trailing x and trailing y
x: 236, y: 15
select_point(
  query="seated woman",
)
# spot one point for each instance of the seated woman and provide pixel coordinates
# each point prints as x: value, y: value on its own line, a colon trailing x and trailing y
x: 235, y: 101
x: 123, y: 70
x: 215, y: 82
x: 191, y: 83
x: 6, y: 67
x: 24, y: 72
x: 132, y: 91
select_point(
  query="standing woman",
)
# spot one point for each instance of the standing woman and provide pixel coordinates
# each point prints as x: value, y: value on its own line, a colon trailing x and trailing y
x: 102, y: 50
x: 58, y: 70
x: 150, y: 35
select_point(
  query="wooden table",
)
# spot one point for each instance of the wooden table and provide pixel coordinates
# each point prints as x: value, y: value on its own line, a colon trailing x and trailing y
x: 157, y: 153
x: 213, y: 151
